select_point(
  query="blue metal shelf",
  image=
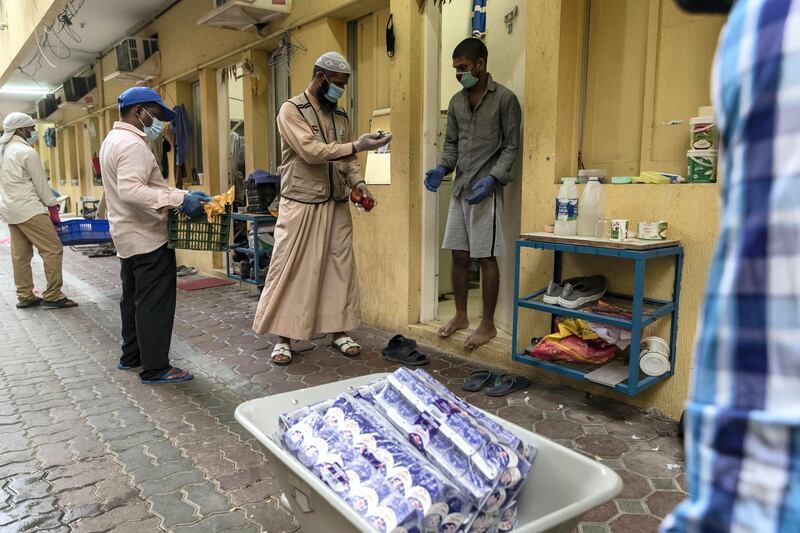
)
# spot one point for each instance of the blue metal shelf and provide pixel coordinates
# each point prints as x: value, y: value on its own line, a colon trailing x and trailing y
x: 577, y: 373
x: 258, y: 253
x: 644, y: 311
x: 247, y: 217
x: 251, y: 252
x: 240, y: 279
x: 657, y: 309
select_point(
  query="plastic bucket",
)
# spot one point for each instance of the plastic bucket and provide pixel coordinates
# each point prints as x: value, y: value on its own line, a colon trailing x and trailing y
x: 562, y: 487
x: 702, y: 166
x: 703, y: 133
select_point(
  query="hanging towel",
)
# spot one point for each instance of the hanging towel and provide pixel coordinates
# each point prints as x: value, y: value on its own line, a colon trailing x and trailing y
x: 50, y: 137
x: 479, y: 18
x: 182, y: 127
x: 165, y: 149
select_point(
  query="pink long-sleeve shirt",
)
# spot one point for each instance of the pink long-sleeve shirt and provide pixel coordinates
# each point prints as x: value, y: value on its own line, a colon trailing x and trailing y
x: 137, y: 195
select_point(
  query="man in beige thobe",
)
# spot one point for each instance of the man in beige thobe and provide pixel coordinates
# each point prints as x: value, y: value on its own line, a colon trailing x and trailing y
x: 311, y: 286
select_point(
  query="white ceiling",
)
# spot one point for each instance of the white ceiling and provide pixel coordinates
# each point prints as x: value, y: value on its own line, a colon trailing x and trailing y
x: 99, y: 24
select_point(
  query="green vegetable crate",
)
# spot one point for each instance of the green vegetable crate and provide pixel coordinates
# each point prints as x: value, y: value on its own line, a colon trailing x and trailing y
x: 200, y: 234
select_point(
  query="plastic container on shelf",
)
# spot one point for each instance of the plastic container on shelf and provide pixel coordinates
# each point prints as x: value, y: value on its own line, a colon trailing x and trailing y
x: 592, y: 208
x: 586, y: 174
x: 702, y: 166
x: 703, y: 133
x: 562, y: 487
x: 567, y: 209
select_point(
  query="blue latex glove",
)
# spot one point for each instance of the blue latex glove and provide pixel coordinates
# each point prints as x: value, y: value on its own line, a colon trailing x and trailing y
x: 202, y: 194
x: 433, y: 178
x: 193, y: 206
x: 481, y: 190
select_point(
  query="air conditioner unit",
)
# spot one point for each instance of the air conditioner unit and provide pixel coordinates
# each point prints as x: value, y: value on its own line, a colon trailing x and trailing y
x: 134, y: 51
x: 76, y: 88
x: 137, y: 59
x: 46, y: 106
x: 245, y: 15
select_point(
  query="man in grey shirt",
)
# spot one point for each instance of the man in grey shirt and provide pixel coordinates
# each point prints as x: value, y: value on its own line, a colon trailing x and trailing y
x: 481, y: 145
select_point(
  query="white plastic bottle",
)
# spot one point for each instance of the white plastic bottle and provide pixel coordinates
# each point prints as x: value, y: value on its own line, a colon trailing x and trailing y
x: 592, y: 208
x: 567, y: 209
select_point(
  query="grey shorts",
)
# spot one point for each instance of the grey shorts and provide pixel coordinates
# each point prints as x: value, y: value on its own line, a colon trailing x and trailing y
x: 476, y: 229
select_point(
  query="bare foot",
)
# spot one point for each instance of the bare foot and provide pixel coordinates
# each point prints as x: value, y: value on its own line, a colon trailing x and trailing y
x: 454, y: 325
x: 480, y: 336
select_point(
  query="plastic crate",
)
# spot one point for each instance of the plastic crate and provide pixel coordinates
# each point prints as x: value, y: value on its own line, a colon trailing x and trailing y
x: 562, y: 487
x: 83, y: 231
x: 199, y: 234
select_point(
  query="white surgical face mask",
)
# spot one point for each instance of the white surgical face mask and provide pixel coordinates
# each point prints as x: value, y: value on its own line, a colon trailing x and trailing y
x: 334, y: 91
x: 154, y: 130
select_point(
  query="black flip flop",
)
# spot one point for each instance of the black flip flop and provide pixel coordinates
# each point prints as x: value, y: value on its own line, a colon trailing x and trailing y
x: 397, y: 342
x: 506, y: 384
x: 406, y: 355
x: 63, y: 303
x: 102, y: 253
x: 478, y: 380
x: 173, y: 375
x: 32, y: 302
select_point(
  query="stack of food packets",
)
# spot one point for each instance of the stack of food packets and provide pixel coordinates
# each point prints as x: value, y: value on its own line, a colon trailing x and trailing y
x: 410, y: 456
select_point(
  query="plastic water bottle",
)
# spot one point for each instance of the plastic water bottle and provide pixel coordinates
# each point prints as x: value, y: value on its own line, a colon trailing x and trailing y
x: 567, y: 209
x: 592, y: 208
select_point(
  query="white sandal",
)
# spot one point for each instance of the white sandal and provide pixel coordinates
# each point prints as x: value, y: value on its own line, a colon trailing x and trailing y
x: 343, y: 344
x: 282, y: 350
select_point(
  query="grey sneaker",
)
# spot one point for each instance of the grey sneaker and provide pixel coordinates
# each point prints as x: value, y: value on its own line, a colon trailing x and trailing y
x: 554, y: 290
x: 586, y: 290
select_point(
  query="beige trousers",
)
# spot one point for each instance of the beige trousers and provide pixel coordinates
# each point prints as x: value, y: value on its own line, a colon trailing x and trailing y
x: 37, y: 231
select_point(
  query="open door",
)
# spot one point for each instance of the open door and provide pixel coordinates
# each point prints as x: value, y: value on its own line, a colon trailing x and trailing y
x: 507, y: 66
x: 506, y: 46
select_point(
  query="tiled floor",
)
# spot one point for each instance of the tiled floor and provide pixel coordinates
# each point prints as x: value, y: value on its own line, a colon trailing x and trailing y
x: 86, y: 447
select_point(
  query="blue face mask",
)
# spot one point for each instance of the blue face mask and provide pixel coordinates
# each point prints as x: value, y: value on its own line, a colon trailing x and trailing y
x: 334, y: 92
x: 153, y: 131
x: 34, y: 135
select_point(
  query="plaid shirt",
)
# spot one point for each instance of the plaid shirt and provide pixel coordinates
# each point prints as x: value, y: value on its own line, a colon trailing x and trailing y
x: 743, y: 417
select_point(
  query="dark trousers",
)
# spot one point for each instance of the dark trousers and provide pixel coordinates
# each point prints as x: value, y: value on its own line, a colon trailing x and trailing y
x: 148, y: 310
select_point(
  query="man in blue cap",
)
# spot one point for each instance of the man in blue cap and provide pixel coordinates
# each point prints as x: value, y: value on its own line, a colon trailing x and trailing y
x: 137, y: 198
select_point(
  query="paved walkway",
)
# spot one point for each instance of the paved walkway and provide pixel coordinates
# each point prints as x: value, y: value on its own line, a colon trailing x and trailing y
x: 85, y: 447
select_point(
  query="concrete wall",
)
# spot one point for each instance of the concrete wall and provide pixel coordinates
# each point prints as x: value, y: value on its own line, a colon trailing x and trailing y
x: 388, y: 238
x: 235, y: 99
x: 666, y: 82
x: 21, y: 18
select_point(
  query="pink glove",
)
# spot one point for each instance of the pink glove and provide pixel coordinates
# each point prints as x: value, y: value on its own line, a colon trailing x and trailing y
x: 54, y: 214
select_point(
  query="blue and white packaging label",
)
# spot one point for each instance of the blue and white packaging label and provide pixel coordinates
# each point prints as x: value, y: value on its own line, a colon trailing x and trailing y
x: 566, y: 209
